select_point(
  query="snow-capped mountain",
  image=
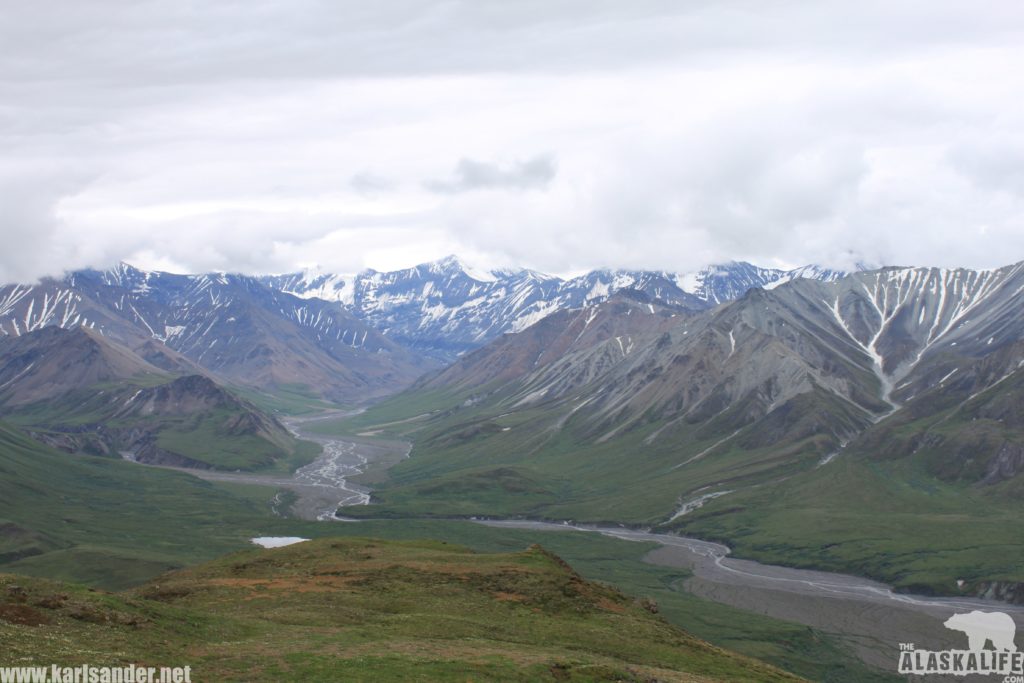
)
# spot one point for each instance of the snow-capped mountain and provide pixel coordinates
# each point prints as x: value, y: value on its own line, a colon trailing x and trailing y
x: 726, y: 282
x: 361, y: 335
x: 919, y: 363
x: 231, y: 325
x: 447, y: 307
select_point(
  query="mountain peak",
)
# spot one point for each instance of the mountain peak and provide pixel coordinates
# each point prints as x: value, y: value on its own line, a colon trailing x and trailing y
x: 722, y: 282
x: 125, y: 275
x: 454, y: 265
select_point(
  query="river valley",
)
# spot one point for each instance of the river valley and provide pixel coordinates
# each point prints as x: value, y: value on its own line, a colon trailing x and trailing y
x: 868, y: 617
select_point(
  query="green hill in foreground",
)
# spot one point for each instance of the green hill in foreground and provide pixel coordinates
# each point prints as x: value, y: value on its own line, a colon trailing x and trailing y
x: 364, y: 609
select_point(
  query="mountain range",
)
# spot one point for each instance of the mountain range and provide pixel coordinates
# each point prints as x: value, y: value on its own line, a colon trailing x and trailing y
x: 161, y: 367
x: 347, y: 339
x: 447, y: 307
x: 229, y: 325
x: 636, y: 411
x: 641, y: 397
x: 865, y: 422
x: 807, y: 365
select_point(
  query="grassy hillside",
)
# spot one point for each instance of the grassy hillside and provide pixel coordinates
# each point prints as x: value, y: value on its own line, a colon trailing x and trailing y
x: 892, y: 520
x: 113, y: 524
x: 361, y: 609
x: 927, y: 500
x: 108, y: 522
x: 293, y: 399
x: 808, y: 652
x: 545, y: 462
x: 217, y: 439
x: 81, y: 392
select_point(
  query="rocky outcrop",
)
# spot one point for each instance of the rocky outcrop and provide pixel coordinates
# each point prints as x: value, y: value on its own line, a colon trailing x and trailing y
x: 1006, y: 591
x: 1007, y: 463
x: 136, y: 444
x: 140, y: 423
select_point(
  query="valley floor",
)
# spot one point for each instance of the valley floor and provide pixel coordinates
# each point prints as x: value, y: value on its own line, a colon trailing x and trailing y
x: 812, y: 633
x: 867, y: 616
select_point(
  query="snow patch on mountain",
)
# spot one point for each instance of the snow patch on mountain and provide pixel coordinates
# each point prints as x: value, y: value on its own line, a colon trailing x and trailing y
x: 717, y: 284
x: 447, y: 307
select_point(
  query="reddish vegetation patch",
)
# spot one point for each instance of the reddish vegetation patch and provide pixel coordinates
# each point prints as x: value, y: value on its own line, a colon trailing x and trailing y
x: 606, y: 604
x: 502, y: 596
x: 55, y: 601
x: 22, y: 615
x: 314, y: 584
x: 440, y: 566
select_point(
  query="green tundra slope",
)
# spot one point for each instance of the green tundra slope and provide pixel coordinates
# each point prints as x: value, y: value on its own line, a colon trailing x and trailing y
x: 928, y: 499
x: 112, y: 524
x: 362, y: 609
x: 547, y: 461
x: 108, y: 522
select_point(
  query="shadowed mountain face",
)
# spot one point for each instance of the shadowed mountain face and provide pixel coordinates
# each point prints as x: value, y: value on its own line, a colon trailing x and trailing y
x: 80, y: 392
x: 226, y: 324
x: 446, y: 308
x: 622, y: 317
x: 645, y: 409
x: 54, y: 362
x: 872, y: 340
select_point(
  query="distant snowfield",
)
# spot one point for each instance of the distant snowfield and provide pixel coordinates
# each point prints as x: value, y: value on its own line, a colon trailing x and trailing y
x: 277, y: 541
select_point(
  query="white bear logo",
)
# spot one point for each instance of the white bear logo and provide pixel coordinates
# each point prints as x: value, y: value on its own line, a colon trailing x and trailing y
x: 984, y: 626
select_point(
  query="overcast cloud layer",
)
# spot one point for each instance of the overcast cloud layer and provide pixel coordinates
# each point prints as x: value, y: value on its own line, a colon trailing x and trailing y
x: 271, y: 135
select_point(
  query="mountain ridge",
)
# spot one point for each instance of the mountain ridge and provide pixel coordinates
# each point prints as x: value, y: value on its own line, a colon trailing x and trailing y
x: 80, y: 392
x: 445, y: 308
x: 230, y: 325
x: 352, y: 337
x: 755, y: 389
x: 843, y: 426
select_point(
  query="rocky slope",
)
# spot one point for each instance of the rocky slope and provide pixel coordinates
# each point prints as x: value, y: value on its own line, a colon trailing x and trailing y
x: 53, y: 362
x: 80, y: 392
x: 622, y: 317
x: 753, y: 391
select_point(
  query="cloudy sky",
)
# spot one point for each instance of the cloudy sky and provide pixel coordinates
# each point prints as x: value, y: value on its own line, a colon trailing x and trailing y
x: 271, y: 135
